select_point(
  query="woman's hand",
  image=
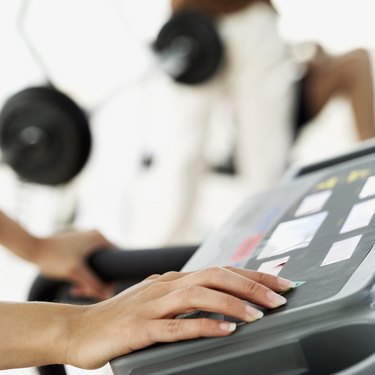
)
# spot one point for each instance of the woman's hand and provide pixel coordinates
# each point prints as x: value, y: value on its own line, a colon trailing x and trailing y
x: 144, y: 314
x: 64, y: 257
x: 60, y: 257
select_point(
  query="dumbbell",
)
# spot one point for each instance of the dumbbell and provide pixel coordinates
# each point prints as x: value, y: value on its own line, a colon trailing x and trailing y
x: 44, y: 136
x: 189, y: 48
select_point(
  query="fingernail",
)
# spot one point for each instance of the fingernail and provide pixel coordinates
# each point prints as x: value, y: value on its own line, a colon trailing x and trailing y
x: 275, y: 299
x: 298, y: 284
x: 286, y: 284
x: 228, y: 327
x: 253, y: 314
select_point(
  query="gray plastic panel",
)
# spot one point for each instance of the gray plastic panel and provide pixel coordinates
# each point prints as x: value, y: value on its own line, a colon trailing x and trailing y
x: 331, y: 335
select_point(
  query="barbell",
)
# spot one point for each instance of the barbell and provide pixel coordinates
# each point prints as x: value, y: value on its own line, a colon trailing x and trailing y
x: 45, y: 136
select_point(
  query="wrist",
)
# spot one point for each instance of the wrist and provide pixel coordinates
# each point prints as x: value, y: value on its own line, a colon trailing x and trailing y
x: 37, y: 334
x: 72, y: 329
x: 57, y: 343
x: 85, y: 347
x: 88, y: 346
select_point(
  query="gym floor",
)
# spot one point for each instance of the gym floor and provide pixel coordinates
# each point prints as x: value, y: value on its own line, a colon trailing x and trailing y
x: 334, y: 123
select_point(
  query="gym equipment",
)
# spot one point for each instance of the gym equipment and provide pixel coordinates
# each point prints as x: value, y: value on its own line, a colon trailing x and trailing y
x: 189, y: 48
x: 328, y: 325
x: 316, y: 228
x: 44, y: 135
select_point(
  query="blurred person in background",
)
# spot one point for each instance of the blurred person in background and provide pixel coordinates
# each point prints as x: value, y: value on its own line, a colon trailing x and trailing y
x: 271, y: 96
x: 324, y: 75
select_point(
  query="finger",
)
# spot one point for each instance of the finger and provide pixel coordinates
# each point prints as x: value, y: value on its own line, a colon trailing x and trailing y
x: 77, y: 291
x: 91, y: 284
x: 152, y: 277
x: 98, y: 240
x: 169, y: 276
x: 186, y: 329
x: 142, y: 292
x: 233, y: 283
x: 84, y: 291
x: 236, y: 284
x: 200, y: 298
x: 273, y: 282
x: 158, y: 285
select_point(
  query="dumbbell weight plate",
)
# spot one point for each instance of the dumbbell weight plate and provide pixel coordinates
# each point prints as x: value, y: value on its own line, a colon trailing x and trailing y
x: 44, y: 136
x: 197, y: 35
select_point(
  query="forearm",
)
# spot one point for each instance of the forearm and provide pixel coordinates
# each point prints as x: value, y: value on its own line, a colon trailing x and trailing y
x: 16, y: 239
x: 36, y: 334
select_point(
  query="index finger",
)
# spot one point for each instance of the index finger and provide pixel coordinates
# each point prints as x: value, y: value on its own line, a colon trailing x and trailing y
x: 276, y: 283
x: 234, y: 283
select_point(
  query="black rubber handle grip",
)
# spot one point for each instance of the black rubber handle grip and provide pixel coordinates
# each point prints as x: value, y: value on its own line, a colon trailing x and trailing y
x: 116, y: 265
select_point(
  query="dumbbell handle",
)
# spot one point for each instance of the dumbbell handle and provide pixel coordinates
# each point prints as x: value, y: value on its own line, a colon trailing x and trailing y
x: 116, y: 265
